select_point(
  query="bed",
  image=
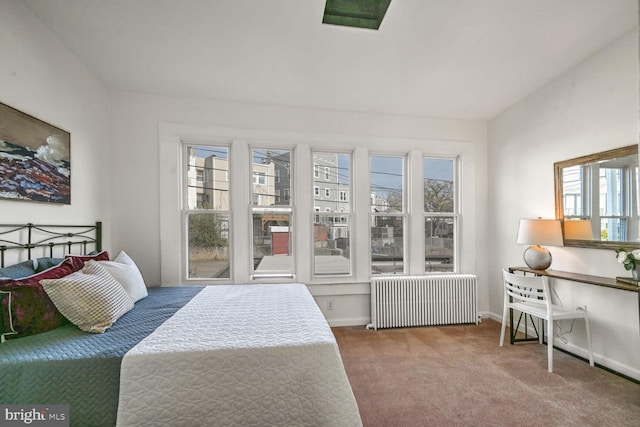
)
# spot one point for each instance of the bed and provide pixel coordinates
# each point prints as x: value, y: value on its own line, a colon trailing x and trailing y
x: 214, y: 355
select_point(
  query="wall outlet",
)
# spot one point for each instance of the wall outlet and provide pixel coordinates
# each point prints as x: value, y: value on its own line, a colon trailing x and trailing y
x: 329, y: 304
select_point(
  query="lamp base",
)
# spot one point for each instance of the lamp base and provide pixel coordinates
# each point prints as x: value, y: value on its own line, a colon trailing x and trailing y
x: 537, y: 257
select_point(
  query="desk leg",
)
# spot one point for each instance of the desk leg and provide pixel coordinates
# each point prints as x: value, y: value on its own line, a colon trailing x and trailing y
x: 513, y: 331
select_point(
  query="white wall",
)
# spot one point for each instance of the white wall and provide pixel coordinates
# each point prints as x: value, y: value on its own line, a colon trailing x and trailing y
x: 115, y: 149
x: 116, y: 172
x: 144, y: 192
x: 591, y: 108
x: 41, y: 77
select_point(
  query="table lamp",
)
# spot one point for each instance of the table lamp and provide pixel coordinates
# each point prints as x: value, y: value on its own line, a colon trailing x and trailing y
x: 578, y: 229
x: 538, y: 232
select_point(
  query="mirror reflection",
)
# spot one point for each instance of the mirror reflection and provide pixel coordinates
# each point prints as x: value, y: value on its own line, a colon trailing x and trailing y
x: 596, y: 196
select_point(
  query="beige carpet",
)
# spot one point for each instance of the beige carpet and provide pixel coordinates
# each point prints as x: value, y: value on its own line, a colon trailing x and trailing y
x: 459, y: 376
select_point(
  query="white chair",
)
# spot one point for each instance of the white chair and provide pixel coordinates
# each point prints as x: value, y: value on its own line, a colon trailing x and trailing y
x: 530, y: 295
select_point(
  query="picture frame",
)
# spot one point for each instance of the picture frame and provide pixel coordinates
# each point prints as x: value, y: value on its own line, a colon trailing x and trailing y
x: 35, y: 159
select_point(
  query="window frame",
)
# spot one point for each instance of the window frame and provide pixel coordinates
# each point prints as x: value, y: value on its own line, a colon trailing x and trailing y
x: 185, y: 211
x: 274, y: 209
x: 327, y: 215
x: 403, y: 213
x: 454, y: 214
x: 171, y: 137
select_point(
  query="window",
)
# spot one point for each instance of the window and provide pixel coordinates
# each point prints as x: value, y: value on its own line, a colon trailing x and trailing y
x: 388, y: 215
x: 573, y: 189
x: 600, y: 191
x: 331, y: 233
x: 259, y: 178
x: 206, y: 212
x: 272, y: 231
x: 440, y: 217
x: 238, y: 224
x: 613, y: 206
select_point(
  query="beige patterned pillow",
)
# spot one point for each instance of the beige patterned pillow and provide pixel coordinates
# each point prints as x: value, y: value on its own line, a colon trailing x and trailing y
x: 90, y: 298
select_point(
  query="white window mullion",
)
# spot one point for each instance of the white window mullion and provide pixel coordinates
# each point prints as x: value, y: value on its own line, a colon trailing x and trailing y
x: 241, y: 235
x: 361, y: 246
x: 414, y: 245
x: 303, y: 203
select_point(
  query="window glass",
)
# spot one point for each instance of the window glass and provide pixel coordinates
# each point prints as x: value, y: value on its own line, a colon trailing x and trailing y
x: 207, y: 212
x: 611, y: 202
x: 272, y: 231
x: 439, y: 232
x: 387, y: 184
x: 387, y: 214
x: 573, y: 187
x: 208, y: 241
x: 272, y: 249
x: 438, y: 185
x: 439, y: 204
x: 331, y: 233
x: 267, y: 165
x: 387, y: 245
x: 613, y: 221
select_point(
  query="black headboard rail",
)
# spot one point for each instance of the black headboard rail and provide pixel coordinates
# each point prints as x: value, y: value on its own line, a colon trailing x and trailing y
x: 84, y: 237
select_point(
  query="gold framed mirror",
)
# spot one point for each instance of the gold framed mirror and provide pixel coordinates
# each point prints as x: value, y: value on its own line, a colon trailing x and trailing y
x: 597, y: 199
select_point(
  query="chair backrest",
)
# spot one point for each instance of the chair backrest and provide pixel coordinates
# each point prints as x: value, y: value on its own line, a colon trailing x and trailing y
x: 527, y: 289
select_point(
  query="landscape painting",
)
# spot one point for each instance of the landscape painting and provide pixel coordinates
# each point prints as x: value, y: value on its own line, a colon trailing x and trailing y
x: 35, y: 161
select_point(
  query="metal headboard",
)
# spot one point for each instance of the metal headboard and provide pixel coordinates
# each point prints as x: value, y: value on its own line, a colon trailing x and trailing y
x: 26, y: 237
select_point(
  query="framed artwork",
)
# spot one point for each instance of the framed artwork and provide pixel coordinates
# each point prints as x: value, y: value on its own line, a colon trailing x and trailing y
x: 35, y: 159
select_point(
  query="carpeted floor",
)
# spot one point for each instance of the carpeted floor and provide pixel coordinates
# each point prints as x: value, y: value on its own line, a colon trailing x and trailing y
x: 459, y: 376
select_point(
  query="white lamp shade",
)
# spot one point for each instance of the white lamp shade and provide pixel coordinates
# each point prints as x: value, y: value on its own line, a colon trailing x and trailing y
x: 539, y: 231
x: 578, y: 230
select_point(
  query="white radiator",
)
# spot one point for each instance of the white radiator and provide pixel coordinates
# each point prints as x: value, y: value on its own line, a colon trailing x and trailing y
x: 442, y: 299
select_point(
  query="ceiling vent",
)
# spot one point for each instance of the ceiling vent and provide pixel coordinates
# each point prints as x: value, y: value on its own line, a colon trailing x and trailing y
x: 355, y: 13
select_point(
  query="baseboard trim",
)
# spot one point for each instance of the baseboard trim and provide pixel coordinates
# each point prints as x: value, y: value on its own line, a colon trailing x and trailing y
x: 600, y: 361
x: 356, y: 321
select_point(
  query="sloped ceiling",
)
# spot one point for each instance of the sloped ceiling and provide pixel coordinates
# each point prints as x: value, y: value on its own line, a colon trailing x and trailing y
x: 466, y: 59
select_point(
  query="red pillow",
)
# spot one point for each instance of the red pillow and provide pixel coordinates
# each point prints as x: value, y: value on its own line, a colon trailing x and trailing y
x: 26, y: 307
x: 77, y: 261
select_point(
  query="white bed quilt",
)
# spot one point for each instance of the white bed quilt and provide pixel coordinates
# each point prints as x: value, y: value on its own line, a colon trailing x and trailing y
x: 239, y: 355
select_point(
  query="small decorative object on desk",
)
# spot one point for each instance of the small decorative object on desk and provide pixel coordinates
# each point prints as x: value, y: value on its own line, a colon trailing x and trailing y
x: 630, y: 260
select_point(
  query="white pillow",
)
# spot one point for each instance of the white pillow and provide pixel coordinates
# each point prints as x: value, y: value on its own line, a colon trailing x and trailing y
x: 125, y: 271
x: 90, y: 298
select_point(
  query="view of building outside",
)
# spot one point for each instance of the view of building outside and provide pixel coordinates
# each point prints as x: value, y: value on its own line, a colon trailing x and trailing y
x: 272, y: 212
x: 388, y: 214
x: 207, y: 212
x: 208, y: 221
x: 332, y: 218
